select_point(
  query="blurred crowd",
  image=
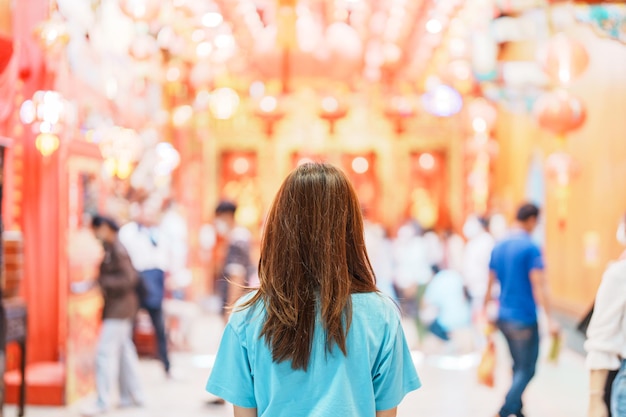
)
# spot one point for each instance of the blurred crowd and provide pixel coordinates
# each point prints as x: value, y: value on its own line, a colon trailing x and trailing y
x: 438, y: 277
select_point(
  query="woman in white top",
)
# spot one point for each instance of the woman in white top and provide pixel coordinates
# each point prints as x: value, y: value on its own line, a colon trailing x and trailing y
x: 606, y: 337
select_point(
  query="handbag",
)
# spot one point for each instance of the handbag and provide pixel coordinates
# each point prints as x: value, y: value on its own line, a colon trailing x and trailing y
x: 487, y: 366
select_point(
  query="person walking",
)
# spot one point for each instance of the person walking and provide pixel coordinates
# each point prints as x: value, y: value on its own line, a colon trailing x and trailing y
x: 606, y: 339
x: 517, y: 264
x: 317, y: 338
x: 150, y: 256
x: 233, y: 268
x: 116, y: 357
x: 476, y: 259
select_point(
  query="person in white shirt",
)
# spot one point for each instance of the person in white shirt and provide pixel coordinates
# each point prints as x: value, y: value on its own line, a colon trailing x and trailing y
x: 180, y: 312
x: 380, y: 254
x: 412, y: 268
x: 150, y: 255
x: 476, y: 258
x: 606, y: 338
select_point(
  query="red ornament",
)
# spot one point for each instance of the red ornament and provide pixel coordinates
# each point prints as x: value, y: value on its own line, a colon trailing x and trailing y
x: 563, y: 58
x: 559, y: 112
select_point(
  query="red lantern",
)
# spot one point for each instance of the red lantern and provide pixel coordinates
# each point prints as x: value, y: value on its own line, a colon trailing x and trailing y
x: 559, y: 112
x: 563, y: 58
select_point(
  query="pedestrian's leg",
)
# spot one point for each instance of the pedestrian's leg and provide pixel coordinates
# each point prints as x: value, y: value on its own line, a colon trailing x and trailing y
x: 523, y: 341
x: 156, y: 315
x: 131, y: 392
x: 107, y: 361
x: 438, y: 330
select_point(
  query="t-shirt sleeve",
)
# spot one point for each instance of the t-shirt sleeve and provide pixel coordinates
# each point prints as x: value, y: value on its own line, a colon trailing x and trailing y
x: 395, y: 374
x: 536, y: 258
x: 231, y: 377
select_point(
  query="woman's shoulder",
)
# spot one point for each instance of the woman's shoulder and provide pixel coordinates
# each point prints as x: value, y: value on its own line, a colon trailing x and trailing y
x: 245, y: 311
x: 376, y: 305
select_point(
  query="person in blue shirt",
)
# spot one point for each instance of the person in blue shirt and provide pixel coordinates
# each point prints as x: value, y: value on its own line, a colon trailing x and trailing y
x: 316, y: 339
x: 516, y: 262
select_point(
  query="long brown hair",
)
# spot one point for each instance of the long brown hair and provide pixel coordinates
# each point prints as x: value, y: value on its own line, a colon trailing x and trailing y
x: 313, y: 258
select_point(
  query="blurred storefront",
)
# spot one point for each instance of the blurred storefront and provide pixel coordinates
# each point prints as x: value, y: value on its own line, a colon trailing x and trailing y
x: 434, y: 109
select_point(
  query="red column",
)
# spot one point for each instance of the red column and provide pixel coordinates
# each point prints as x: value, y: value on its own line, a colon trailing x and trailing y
x: 40, y: 201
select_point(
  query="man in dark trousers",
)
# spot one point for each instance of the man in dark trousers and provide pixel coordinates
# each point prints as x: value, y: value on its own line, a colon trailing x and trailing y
x: 517, y: 263
x: 150, y: 256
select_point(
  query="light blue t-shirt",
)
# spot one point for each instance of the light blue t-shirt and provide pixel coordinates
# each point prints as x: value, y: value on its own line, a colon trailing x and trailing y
x: 375, y: 375
x: 445, y: 293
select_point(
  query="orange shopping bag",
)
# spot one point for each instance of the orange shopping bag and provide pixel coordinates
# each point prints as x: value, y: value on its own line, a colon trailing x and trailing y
x: 487, y: 366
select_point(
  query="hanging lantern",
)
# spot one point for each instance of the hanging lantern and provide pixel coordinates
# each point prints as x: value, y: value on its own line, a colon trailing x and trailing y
x: 47, y: 143
x: 53, y: 34
x: 120, y: 148
x: 563, y: 59
x: 48, y: 113
x: 559, y: 112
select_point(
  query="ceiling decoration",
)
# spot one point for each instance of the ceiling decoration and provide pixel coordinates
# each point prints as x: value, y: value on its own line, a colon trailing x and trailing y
x: 608, y: 20
x: 149, y: 62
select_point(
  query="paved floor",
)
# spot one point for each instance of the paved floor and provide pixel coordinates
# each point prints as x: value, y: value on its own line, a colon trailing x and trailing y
x: 449, y: 385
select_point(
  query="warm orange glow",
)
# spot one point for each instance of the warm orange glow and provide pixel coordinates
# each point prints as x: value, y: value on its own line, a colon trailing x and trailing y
x: 224, y: 103
x: 47, y: 143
